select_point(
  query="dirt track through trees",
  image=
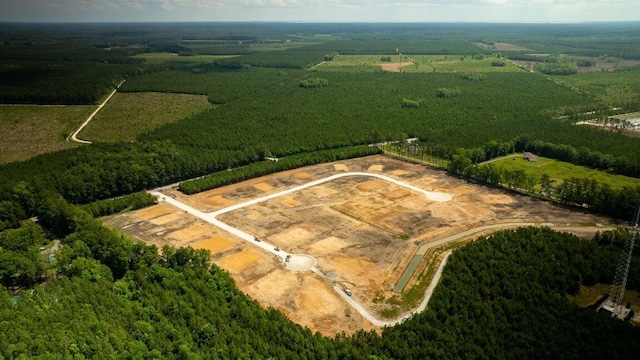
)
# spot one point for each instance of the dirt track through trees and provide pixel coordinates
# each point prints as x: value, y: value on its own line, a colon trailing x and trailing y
x: 75, y: 133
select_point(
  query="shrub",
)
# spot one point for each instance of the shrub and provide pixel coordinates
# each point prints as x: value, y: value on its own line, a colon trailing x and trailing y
x: 314, y: 83
x: 448, y: 93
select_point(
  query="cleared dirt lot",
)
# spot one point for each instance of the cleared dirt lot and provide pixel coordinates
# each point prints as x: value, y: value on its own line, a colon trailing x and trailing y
x: 363, y: 231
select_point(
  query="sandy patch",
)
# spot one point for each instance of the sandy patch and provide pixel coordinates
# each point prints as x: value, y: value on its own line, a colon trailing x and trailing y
x: 156, y: 211
x: 163, y: 219
x: 322, y: 191
x: 190, y: 233
x: 316, y: 296
x: 415, y: 204
x: 398, y: 172
x: 425, y: 183
x: 290, y: 238
x: 264, y: 187
x: 340, y: 167
x: 394, y: 67
x: 372, y: 185
x: 447, y: 211
x: 274, y: 286
x: 375, y: 168
x: 357, y: 273
x: 396, y: 194
x: 326, y: 246
x: 215, y: 245
x: 253, y: 215
x: 289, y: 202
x: 217, y: 200
x: 302, y: 175
x: 237, y: 262
x: 496, y: 199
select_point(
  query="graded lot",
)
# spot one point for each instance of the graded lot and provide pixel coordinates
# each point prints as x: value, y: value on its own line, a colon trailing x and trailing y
x: 363, y: 232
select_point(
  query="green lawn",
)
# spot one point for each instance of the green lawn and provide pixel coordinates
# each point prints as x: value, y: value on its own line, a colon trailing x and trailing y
x: 30, y: 130
x: 423, y: 63
x: 559, y: 171
x: 128, y: 114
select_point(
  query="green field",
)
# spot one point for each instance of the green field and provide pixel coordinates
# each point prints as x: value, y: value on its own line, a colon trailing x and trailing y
x: 169, y: 58
x: 558, y: 171
x: 30, y: 130
x: 422, y: 63
x: 605, y: 86
x: 129, y: 114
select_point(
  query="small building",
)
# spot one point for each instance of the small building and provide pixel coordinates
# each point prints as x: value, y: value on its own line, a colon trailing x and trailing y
x: 529, y: 157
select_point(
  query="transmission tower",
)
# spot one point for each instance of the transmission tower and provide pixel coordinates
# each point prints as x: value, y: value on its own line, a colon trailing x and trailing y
x: 615, y: 303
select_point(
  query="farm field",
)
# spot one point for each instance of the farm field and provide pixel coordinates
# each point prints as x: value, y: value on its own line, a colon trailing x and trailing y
x: 362, y: 231
x: 127, y: 115
x: 31, y: 130
x: 559, y: 170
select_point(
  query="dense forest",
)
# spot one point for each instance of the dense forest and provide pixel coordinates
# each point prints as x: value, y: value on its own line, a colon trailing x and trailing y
x: 73, y: 288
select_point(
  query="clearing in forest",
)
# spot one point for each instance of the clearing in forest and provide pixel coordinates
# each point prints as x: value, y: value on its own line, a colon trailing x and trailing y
x: 30, y: 130
x: 558, y: 170
x: 363, y: 232
x: 127, y: 115
x: 417, y: 64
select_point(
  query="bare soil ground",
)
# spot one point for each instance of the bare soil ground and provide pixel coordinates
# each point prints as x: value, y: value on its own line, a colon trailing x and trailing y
x: 604, y: 66
x: 499, y: 46
x: 362, y: 231
x: 394, y: 67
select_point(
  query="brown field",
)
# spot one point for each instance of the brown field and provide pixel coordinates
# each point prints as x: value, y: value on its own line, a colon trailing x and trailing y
x: 362, y: 231
x: 394, y: 67
x: 499, y: 46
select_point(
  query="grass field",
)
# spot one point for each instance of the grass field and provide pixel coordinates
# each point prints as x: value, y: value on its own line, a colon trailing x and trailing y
x: 559, y: 171
x: 30, y: 130
x: 598, y: 84
x: 128, y: 114
x: 168, y: 58
x: 423, y: 63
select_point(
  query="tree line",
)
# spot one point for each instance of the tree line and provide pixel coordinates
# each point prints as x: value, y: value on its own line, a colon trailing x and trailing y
x: 266, y: 167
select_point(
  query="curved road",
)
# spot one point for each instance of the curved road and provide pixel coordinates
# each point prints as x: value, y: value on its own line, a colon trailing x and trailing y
x: 75, y: 133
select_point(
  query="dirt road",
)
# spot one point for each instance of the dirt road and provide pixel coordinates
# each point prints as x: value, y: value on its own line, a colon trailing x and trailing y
x: 74, y: 136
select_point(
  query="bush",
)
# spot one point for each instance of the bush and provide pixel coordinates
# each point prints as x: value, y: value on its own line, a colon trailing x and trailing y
x: 406, y: 103
x: 473, y: 77
x: 557, y: 69
x: 314, y: 83
x: 448, y: 93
